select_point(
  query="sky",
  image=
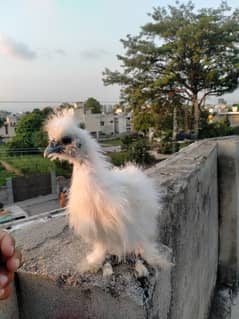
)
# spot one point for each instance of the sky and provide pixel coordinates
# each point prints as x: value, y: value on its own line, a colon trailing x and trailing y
x: 56, y: 50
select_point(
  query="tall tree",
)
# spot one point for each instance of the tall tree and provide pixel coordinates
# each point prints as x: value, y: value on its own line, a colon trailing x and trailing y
x: 93, y: 105
x: 29, y: 132
x: 182, y: 53
x: 2, y: 121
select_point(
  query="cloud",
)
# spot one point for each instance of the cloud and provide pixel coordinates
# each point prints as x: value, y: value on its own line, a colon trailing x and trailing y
x: 94, y: 54
x: 60, y: 52
x: 10, y: 47
x: 51, y: 53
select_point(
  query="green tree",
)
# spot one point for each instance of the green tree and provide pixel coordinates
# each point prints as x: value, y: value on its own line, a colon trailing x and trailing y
x: 93, y: 105
x: 139, y: 153
x: 182, y: 53
x: 46, y: 111
x: 66, y: 106
x: 220, y: 128
x: 144, y: 120
x: 126, y: 141
x: 2, y: 121
x: 29, y: 132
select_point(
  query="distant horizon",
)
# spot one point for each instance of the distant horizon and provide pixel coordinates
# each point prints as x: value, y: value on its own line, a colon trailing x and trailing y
x: 42, y: 104
x: 59, y: 49
x: 12, y: 106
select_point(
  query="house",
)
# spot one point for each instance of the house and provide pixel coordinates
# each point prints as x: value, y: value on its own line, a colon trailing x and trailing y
x: 103, y: 124
x: 8, y: 130
x: 233, y: 118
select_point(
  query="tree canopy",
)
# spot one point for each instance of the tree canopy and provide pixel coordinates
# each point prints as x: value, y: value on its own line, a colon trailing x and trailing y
x: 93, y: 105
x: 182, y: 54
x: 2, y: 121
x: 29, y: 132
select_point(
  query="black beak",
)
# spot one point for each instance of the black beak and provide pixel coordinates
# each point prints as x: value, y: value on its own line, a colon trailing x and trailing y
x: 53, y: 147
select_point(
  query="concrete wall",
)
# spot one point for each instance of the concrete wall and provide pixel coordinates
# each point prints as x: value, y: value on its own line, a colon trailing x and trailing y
x: 7, y: 191
x: 228, y: 160
x: 3, y: 195
x: 189, y: 225
x: 50, y: 286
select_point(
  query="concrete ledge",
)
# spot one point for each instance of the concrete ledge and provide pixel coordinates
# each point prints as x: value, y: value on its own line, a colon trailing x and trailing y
x: 228, y: 162
x: 189, y: 226
x: 9, y: 307
x: 50, y: 286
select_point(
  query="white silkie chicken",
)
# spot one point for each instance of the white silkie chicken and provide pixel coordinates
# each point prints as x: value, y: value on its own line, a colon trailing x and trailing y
x: 114, y: 210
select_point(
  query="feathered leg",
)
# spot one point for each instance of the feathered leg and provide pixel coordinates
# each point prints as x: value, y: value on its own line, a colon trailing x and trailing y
x: 152, y: 256
x: 140, y: 268
x: 95, y: 261
x: 97, y: 256
x: 149, y: 252
x: 107, y: 269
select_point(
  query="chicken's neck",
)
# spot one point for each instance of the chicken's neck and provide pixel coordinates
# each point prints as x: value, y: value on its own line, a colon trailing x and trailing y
x: 88, y: 173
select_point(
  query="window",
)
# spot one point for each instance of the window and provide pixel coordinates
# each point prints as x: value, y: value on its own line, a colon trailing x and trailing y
x: 102, y: 123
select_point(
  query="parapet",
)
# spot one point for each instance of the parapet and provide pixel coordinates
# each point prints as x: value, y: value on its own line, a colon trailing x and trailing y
x: 49, y: 284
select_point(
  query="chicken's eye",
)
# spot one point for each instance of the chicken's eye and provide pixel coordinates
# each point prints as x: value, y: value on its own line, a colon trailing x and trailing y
x: 66, y: 140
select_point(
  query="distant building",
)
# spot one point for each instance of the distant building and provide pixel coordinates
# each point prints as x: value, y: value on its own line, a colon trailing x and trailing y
x: 103, y: 124
x: 8, y: 130
x: 218, y: 108
x: 222, y: 101
x: 233, y: 118
x: 108, y: 108
x: 122, y: 122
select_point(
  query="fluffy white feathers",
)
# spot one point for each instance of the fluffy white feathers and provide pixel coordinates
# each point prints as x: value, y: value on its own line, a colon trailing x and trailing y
x: 114, y: 210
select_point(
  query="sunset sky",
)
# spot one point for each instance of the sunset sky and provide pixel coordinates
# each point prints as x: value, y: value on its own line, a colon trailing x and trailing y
x: 57, y: 49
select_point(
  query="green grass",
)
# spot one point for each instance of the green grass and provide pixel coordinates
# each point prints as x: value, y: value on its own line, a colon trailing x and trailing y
x: 33, y: 164
x: 114, y: 142
x: 4, y: 175
x: 26, y: 164
x: 118, y: 158
x: 29, y: 164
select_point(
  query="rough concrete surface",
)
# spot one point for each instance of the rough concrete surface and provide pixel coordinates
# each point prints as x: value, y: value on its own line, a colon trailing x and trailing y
x: 235, y: 307
x: 9, y: 307
x: 221, y: 305
x: 228, y: 161
x: 189, y: 225
x: 50, y: 285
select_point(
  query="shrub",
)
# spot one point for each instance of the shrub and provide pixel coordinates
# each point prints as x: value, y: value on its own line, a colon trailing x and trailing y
x: 4, y: 175
x: 126, y: 141
x: 235, y: 130
x: 139, y: 153
x: 118, y: 158
x: 215, y: 130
